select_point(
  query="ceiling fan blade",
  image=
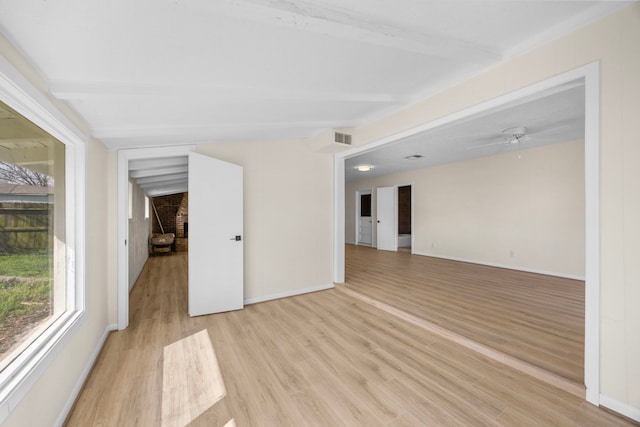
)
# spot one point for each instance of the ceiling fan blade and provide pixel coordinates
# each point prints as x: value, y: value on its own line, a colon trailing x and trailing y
x: 512, y: 140
x: 549, y: 131
x: 523, y: 138
x: 488, y: 145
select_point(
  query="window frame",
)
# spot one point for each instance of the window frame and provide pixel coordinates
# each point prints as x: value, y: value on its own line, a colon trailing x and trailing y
x: 22, y: 373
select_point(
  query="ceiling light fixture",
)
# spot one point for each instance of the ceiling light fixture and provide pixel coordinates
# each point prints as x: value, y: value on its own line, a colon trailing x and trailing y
x: 364, y: 168
x: 414, y: 157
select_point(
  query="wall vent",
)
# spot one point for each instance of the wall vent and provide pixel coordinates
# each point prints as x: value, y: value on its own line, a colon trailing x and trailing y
x: 342, y: 138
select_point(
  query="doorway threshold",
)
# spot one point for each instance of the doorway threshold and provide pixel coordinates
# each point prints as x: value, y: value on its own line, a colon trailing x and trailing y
x: 519, y: 365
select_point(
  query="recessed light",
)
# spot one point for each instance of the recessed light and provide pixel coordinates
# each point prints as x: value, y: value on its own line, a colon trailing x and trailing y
x: 364, y: 168
x: 414, y: 157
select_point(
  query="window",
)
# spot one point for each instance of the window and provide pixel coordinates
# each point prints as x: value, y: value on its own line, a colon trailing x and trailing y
x: 41, y: 234
x: 146, y: 207
x: 32, y: 233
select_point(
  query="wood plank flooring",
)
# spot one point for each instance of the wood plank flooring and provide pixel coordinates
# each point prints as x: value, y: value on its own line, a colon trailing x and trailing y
x: 533, y: 317
x: 320, y: 359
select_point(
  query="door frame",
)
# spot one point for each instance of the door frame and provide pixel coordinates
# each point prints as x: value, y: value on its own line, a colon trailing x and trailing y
x: 591, y: 75
x: 360, y: 193
x: 123, y: 217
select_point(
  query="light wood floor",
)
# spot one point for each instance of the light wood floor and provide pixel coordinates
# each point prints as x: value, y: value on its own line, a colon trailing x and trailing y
x: 321, y: 359
x: 534, y: 317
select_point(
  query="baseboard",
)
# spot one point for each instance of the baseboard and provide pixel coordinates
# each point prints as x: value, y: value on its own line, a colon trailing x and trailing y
x: 508, y: 267
x: 83, y: 376
x: 632, y: 412
x: 140, y: 271
x: 279, y: 295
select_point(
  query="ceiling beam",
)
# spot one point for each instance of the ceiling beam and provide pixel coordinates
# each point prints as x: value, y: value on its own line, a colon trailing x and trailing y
x: 164, y: 184
x: 354, y: 25
x: 75, y: 89
x: 157, y: 163
x: 159, y: 178
x: 25, y: 156
x: 158, y: 172
x: 205, y: 130
x: 166, y: 191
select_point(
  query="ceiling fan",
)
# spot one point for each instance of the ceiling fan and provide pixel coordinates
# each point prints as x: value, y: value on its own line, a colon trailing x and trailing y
x: 518, y: 134
x: 514, y: 135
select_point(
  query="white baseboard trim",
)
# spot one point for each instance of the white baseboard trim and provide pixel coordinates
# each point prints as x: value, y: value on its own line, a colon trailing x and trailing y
x: 137, y: 276
x: 279, y: 295
x: 509, y: 267
x: 83, y: 376
x: 621, y: 408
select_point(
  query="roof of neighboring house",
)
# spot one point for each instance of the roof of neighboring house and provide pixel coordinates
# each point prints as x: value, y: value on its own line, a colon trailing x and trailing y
x: 9, y: 188
x: 25, y: 193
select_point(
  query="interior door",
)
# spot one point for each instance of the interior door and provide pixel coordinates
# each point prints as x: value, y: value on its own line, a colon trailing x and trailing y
x: 365, y: 230
x: 216, y: 278
x: 386, y: 219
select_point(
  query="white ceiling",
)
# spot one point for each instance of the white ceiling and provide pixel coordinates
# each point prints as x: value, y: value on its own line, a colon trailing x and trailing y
x: 147, y: 73
x: 553, y: 116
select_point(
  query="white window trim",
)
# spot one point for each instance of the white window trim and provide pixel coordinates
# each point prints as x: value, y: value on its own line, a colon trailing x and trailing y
x: 18, y: 378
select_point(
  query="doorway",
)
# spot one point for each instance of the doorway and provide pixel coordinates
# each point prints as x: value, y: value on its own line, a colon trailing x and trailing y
x: 364, y: 228
x: 203, y: 171
x: 589, y: 76
x: 405, y: 218
x: 124, y: 159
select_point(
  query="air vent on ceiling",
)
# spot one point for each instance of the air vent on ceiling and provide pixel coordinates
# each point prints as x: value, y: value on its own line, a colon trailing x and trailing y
x: 342, y: 138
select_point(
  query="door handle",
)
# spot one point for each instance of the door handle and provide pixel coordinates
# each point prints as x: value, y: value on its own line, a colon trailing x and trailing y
x: 236, y: 238
x: 378, y: 221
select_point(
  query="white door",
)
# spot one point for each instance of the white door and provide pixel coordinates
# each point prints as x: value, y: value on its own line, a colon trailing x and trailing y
x: 216, y: 280
x: 364, y: 230
x: 386, y: 219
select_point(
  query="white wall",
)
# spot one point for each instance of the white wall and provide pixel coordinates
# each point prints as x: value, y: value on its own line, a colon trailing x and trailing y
x: 46, y: 400
x: 613, y: 42
x: 139, y: 232
x: 483, y: 209
x: 288, y: 217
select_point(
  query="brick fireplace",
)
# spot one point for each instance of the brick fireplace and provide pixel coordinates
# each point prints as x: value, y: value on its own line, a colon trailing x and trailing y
x: 182, y: 225
x: 173, y: 211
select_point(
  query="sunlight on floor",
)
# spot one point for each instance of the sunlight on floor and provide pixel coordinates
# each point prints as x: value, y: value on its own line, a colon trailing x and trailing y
x: 192, y: 382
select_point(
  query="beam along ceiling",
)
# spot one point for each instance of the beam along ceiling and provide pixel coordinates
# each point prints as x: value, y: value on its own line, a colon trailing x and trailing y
x: 159, y: 72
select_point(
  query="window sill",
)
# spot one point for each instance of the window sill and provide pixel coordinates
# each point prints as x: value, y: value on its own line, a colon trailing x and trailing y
x: 18, y: 378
